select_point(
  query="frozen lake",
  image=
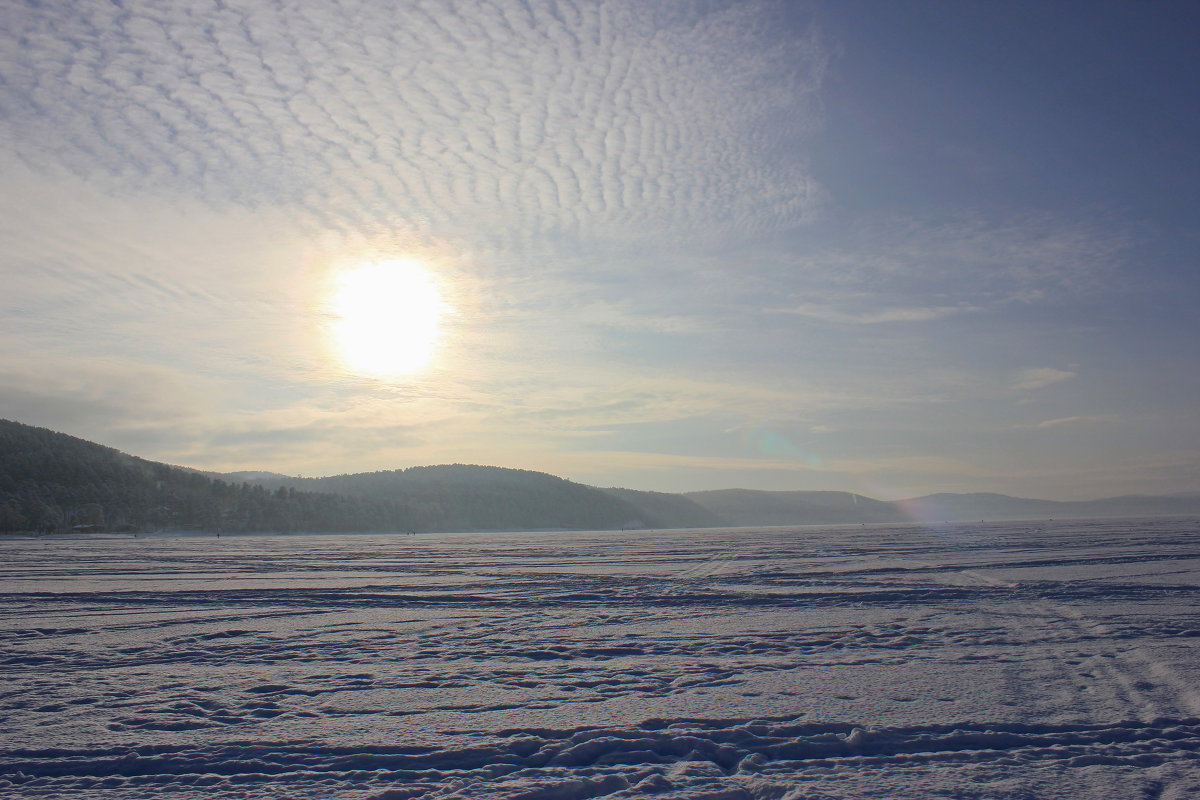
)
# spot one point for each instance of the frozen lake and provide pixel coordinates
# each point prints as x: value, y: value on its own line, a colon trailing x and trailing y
x: 1022, y: 660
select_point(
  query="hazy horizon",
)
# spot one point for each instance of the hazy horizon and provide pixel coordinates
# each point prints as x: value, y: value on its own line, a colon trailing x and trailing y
x: 919, y: 514
x: 890, y: 249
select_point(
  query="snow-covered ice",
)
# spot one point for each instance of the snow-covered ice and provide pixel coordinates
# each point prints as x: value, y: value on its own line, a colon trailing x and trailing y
x: 1023, y: 660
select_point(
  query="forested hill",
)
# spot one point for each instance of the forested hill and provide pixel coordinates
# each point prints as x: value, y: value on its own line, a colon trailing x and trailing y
x: 748, y: 507
x: 53, y: 482
x: 465, y: 497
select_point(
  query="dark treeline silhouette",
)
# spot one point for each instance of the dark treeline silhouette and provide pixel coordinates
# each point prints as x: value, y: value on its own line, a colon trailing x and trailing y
x: 53, y: 482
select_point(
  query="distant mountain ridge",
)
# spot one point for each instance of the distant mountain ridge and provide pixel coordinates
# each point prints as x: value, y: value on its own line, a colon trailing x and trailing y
x: 468, y: 497
x: 753, y: 507
x: 50, y: 481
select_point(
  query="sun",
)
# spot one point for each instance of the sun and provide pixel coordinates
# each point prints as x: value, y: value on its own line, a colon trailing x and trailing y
x: 386, y: 317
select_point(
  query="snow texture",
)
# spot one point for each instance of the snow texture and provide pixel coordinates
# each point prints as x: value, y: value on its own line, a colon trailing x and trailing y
x: 1047, y: 660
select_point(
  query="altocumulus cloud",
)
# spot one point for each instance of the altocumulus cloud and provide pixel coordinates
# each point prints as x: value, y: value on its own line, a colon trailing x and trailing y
x: 195, y: 166
x: 619, y: 196
x: 525, y: 118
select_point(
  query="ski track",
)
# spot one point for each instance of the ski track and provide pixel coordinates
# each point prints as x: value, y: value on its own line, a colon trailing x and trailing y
x: 1022, y: 660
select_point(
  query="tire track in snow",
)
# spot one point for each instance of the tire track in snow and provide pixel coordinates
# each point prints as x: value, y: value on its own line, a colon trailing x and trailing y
x: 1134, y: 669
x: 613, y: 758
x: 1122, y: 670
x: 523, y: 665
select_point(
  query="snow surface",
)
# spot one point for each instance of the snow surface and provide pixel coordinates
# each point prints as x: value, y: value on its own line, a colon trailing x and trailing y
x: 1046, y: 660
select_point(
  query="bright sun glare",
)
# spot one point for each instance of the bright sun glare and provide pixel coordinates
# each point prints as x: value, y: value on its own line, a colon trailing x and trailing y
x: 387, y: 317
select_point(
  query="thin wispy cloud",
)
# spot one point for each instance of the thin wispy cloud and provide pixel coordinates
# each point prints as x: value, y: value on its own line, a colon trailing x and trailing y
x: 1040, y: 378
x: 879, y: 316
x: 1084, y: 419
x: 967, y: 264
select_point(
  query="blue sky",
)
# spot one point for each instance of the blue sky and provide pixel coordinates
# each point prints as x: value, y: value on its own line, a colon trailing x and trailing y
x: 893, y: 248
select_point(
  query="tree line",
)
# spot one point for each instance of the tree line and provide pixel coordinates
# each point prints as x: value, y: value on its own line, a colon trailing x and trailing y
x: 52, y: 482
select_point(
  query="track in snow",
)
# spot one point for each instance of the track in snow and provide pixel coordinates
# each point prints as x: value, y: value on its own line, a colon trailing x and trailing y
x: 990, y: 660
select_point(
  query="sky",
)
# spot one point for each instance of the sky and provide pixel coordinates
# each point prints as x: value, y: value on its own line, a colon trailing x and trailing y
x: 890, y: 248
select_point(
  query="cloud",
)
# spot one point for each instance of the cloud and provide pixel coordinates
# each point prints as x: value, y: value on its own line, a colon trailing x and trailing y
x: 879, y: 316
x: 87, y: 275
x: 1090, y: 419
x: 1040, y: 378
x: 873, y: 270
x: 616, y: 197
x: 526, y: 119
x: 85, y: 396
x: 1004, y: 257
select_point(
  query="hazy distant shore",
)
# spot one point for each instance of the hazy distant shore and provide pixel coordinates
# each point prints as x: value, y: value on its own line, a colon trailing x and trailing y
x: 55, y: 484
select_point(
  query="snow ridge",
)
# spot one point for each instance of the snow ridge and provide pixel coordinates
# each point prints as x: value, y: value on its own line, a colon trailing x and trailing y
x: 990, y: 660
x: 650, y: 754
